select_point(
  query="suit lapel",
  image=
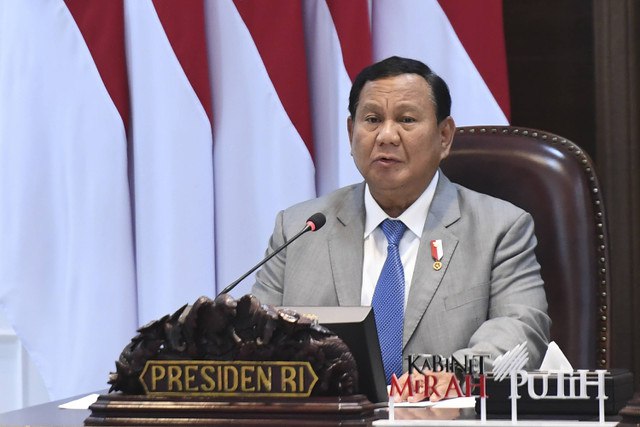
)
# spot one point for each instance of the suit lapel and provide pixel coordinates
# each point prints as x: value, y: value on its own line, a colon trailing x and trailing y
x: 443, y: 212
x: 346, y: 248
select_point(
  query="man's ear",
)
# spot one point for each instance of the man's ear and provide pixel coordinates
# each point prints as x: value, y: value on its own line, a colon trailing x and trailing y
x: 447, y: 129
x: 350, y: 130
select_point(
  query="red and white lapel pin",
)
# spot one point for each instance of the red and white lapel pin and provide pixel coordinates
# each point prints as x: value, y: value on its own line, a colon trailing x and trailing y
x: 437, y: 252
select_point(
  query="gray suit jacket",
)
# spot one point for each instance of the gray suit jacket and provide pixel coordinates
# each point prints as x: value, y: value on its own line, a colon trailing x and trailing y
x: 487, y: 298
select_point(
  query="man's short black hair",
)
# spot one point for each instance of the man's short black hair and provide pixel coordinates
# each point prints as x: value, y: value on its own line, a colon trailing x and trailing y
x: 395, y: 66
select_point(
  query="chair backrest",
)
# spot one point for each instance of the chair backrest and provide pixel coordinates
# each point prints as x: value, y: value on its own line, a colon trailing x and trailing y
x: 554, y: 180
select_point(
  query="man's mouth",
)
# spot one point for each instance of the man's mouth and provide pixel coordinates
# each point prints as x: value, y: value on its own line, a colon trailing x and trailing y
x: 386, y: 160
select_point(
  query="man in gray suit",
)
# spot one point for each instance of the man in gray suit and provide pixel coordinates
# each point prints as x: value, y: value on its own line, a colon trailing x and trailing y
x: 469, y: 279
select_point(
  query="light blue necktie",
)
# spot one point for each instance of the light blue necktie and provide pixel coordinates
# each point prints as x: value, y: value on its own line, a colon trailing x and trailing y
x: 388, y: 301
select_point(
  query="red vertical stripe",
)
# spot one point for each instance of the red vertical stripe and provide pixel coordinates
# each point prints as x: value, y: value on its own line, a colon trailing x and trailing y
x: 183, y: 22
x: 351, y: 19
x: 479, y: 27
x: 102, y: 26
x: 277, y: 31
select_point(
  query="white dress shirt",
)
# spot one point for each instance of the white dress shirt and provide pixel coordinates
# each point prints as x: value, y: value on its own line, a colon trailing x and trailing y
x: 375, y: 242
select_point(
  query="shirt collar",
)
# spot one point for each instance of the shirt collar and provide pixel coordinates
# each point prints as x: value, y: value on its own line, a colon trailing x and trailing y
x: 414, y: 217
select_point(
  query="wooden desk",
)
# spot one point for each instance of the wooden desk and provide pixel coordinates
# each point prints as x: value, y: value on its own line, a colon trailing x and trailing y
x: 46, y: 414
x: 49, y: 414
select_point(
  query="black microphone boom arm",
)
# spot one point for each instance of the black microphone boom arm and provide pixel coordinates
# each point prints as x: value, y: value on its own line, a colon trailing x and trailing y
x: 314, y: 223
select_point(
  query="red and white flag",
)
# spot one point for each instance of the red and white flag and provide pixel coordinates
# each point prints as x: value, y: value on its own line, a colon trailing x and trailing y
x: 338, y: 47
x: 171, y: 154
x: 467, y: 51
x: 262, y: 145
x: 67, y: 270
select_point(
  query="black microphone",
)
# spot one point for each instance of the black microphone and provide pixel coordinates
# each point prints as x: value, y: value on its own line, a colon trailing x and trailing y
x: 314, y: 223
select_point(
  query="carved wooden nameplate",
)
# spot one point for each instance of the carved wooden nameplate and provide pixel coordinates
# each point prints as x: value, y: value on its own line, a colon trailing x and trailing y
x: 117, y: 409
x: 222, y: 362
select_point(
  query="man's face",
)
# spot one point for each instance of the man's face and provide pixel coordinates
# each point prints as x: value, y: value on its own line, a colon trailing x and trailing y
x: 396, y: 142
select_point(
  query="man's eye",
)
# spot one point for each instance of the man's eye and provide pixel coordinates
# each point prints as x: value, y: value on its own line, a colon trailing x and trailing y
x: 408, y: 120
x: 371, y: 119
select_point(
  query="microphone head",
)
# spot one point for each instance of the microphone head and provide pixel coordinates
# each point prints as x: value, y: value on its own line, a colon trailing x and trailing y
x: 316, y: 221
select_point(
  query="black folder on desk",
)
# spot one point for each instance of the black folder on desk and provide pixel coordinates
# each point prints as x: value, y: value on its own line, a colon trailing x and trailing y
x: 357, y: 328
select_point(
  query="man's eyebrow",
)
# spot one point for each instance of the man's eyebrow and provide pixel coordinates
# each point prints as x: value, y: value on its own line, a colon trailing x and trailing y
x: 409, y: 106
x: 370, y: 104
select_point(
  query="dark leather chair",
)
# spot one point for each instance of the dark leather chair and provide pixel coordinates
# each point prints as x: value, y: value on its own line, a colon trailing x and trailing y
x: 554, y: 180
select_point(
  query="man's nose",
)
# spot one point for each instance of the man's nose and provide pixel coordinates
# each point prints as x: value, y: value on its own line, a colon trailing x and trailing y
x: 388, y: 133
